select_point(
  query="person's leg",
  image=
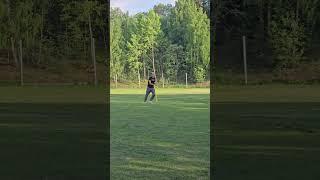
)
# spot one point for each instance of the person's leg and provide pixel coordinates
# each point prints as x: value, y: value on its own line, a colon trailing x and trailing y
x: 147, y: 94
x: 153, y: 94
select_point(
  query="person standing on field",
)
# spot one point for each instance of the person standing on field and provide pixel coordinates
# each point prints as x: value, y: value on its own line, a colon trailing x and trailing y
x: 150, y: 88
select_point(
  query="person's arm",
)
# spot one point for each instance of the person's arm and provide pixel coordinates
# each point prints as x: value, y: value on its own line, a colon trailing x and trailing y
x: 151, y: 82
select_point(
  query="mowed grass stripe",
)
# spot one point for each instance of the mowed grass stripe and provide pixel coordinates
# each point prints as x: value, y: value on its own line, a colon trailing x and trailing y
x: 165, y: 140
x: 53, y: 133
x: 161, y: 91
x: 266, y: 132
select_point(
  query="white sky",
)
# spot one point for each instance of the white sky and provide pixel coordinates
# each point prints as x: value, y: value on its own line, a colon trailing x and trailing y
x: 136, y: 6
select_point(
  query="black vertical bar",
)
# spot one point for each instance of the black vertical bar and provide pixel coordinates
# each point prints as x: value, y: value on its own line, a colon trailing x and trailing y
x: 108, y: 91
x: 211, y: 2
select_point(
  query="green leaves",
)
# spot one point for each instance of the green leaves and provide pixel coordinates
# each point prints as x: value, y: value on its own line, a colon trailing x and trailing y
x: 143, y: 38
x: 173, y: 40
x: 76, y: 17
x: 288, y: 40
x: 191, y: 29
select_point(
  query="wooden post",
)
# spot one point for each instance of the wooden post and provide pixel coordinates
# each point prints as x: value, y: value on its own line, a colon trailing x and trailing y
x: 93, y: 52
x: 162, y: 79
x: 116, y: 81
x: 8, y: 57
x: 245, y: 59
x: 21, y: 63
x: 14, y: 52
x: 186, y: 80
x: 139, y: 79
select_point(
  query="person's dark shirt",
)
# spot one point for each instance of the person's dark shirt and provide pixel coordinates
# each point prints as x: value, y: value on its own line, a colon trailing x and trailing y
x: 153, y: 80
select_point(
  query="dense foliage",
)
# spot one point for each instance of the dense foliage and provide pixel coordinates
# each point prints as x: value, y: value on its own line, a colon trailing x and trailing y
x: 168, y: 40
x: 53, y: 29
x: 283, y: 35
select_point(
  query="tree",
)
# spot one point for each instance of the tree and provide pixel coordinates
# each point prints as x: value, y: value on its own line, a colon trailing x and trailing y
x: 80, y: 18
x: 116, y: 42
x: 143, y: 40
x: 190, y: 29
x: 288, y: 40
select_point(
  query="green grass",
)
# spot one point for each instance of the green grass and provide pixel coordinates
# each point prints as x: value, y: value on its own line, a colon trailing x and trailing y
x: 260, y: 132
x: 165, y: 140
x: 266, y: 132
x: 53, y: 132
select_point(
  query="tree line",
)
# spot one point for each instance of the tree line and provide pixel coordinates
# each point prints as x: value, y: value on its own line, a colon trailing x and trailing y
x: 168, y: 40
x: 283, y: 34
x: 53, y: 30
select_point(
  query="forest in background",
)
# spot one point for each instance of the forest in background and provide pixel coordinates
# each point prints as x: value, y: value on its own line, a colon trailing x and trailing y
x: 283, y: 40
x: 56, y: 39
x: 168, y: 40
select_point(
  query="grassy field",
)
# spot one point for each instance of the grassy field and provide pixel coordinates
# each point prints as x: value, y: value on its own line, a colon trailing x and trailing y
x: 53, y: 133
x: 165, y: 140
x: 260, y: 132
x: 266, y: 132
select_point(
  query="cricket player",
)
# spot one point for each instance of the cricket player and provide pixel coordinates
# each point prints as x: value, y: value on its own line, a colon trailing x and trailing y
x: 150, y: 88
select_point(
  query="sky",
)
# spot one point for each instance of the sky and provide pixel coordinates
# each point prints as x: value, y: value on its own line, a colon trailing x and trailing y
x: 136, y: 6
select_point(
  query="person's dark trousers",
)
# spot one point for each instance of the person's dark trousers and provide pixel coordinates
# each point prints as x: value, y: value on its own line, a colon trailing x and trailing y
x: 150, y: 90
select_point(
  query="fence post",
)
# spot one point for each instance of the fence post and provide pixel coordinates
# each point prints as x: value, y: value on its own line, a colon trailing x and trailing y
x: 93, y: 53
x: 186, y: 80
x: 245, y: 59
x: 139, y: 79
x: 162, y: 79
x: 21, y: 63
x: 14, y: 52
x: 116, y: 81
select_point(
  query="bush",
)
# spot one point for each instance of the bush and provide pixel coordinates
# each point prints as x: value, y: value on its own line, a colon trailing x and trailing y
x: 288, y: 40
x: 199, y: 74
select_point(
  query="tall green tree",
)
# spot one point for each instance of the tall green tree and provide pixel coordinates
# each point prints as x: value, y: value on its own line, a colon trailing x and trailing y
x: 143, y: 40
x: 116, y: 43
x: 191, y: 29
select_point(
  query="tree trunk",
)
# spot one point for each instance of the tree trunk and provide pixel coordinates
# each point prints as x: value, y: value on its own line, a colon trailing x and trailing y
x: 67, y: 42
x: 90, y: 30
x: 8, y: 57
x: 105, y: 42
x: 244, y: 3
x: 93, y: 53
x: 8, y: 6
x: 297, y: 10
x: 14, y: 52
x: 261, y: 5
x: 177, y: 68
x: 139, y: 79
x: 41, y: 37
x: 144, y: 70
x: 94, y: 62
x: 21, y: 63
x: 269, y: 18
x: 153, y: 64
x: 162, y: 78
x: 26, y: 44
x: 85, y: 48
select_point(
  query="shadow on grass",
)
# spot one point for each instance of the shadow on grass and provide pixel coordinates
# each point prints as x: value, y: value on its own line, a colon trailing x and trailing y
x: 53, y: 141
x: 273, y: 140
